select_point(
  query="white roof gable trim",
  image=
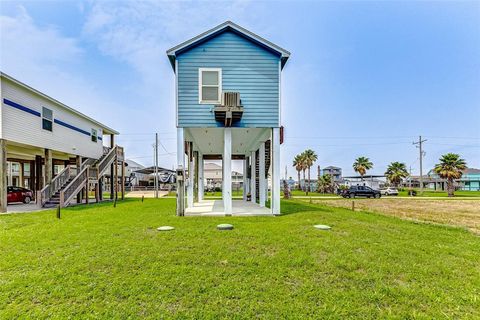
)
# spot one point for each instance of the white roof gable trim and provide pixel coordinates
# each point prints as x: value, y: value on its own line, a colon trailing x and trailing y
x: 284, y: 53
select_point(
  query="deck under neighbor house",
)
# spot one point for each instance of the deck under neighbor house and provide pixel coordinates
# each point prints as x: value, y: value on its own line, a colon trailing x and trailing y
x: 228, y: 100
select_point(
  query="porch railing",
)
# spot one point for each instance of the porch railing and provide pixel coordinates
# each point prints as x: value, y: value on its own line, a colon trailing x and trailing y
x: 55, y: 185
x: 80, y: 180
x: 106, y: 161
x: 88, y: 162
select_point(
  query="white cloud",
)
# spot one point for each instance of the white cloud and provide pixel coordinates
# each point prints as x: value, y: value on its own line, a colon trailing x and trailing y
x: 24, y: 45
x: 139, y: 33
x: 50, y: 62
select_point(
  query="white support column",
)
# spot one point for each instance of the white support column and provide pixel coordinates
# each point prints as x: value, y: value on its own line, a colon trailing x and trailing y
x: 249, y: 180
x: 227, y: 171
x: 180, y: 169
x: 191, y: 180
x: 275, y: 205
x: 253, y: 190
x: 244, y: 184
x: 261, y: 175
x: 201, y: 177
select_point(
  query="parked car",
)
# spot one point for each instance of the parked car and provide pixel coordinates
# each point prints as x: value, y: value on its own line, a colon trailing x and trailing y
x: 361, y: 191
x: 390, y: 191
x: 18, y: 194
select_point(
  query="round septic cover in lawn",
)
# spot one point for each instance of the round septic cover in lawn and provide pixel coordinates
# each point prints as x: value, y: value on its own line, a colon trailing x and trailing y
x: 225, y: 226
x: 165, y: 228
x: 322, y: 227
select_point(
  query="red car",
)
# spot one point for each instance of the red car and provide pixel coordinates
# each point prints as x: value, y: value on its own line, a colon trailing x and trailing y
x: 18, y: 194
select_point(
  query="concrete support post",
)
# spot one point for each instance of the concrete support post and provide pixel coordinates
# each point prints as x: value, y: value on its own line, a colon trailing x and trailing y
x: 275, y: 205
x: 253, y: 189
x: 244, y: 184
x: 227, y: 171
x: 3, y: 175
x: 180, y: 172
x: 48, y: 166
x: 261, y: 175
x: 247, y: 173
x: 195, y: 185
x: 190, y: 177
x: 201, y: 177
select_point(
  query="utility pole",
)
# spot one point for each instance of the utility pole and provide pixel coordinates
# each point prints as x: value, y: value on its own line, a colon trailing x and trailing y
x: 419, y: 146
x: 410, y: 191
x: 156, y: 165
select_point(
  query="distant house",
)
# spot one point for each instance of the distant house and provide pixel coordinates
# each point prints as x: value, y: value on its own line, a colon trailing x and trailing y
x: 470, y: 181
x: 133, y: 177
x: 335, y: 172
x: 44, y: 144
x: 213, y: 177
x: 372, y: 181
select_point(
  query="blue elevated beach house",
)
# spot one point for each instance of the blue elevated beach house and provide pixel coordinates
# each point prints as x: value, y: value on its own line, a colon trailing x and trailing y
x: 228, y: 108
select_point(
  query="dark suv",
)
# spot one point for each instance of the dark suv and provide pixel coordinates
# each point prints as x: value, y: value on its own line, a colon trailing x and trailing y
x: 360, y: 191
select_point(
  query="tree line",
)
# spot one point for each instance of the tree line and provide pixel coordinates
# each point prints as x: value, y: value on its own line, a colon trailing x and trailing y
x: 450, y: 168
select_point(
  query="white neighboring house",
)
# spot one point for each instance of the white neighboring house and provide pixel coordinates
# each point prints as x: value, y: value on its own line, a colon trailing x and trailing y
x: 374, y: 182
x: 213, y: 177
x: 43, y: 136
x: 135, y: 178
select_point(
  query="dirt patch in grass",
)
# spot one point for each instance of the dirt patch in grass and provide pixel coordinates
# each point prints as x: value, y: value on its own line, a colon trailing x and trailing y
x: 463, y: 213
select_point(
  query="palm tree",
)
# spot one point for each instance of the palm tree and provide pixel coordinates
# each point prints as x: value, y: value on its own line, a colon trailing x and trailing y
x: 304, y: 168
x: 361, y: 165
x: 325, y: 184
x: 310, y: 157
x: 297, y: 163
x: 451, y: 167
x: 396, y: 171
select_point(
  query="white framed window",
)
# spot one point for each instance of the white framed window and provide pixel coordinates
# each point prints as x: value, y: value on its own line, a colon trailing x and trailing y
x: 47, y: 119
x: 94, y: 136
x: 209, y: 85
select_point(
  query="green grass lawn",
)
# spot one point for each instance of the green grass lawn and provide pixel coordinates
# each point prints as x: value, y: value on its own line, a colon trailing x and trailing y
x: 105, y: 262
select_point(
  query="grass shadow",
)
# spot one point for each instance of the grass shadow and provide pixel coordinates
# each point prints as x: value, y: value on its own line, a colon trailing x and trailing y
x: 291, y: 206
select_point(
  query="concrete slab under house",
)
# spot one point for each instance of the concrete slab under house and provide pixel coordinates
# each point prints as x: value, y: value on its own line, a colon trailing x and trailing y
x: 53, y: 150
x: 228, y: 100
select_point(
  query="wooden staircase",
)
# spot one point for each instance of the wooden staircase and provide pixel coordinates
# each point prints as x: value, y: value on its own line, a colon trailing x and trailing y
x: 257, y: 167
x: 71, y: 181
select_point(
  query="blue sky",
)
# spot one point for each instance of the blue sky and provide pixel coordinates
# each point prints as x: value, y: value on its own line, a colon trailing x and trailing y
x: 364, y: 78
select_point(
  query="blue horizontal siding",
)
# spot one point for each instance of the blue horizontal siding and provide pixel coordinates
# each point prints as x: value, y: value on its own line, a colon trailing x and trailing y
x: 246, y: 68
